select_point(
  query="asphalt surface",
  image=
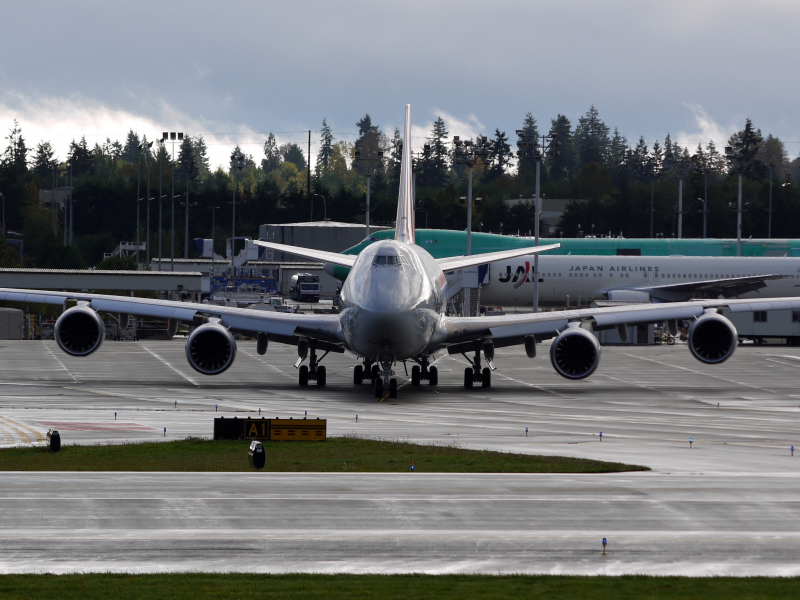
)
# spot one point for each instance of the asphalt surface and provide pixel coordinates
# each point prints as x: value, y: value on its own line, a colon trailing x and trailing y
x: 728, y: 505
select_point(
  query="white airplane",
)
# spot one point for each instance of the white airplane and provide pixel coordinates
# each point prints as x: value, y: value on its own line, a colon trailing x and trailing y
x: 393, y: 310
x: 565, y: 279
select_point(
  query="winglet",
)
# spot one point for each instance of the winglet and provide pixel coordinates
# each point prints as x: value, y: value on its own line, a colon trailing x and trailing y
x: 404, y: 228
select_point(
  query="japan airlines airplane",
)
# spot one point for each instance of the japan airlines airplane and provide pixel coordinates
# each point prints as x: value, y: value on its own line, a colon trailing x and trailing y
x: 393, y: 310
x: 565, y: 279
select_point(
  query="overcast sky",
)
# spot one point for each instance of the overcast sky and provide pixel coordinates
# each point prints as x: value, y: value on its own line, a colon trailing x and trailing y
x: 234, y: 71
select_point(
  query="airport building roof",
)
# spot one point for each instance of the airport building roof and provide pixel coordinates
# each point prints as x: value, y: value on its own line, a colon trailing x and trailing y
x: 90, y: 279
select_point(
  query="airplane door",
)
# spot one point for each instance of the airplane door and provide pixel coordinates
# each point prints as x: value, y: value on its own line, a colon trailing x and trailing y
x: 645, y: 275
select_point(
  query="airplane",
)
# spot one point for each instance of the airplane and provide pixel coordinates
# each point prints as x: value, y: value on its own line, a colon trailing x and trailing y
x: 638, y: 279
x: 393, y: 310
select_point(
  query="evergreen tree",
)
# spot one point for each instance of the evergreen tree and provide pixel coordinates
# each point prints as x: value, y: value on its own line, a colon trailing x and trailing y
x: 396, y: 154
x: 656, y: 158
x: 186, y: 161
x: 272, y: 155
x: 368, y: 145
x: 131, y: 148
x: 366, y: 131
x: 638, y: 161
x: 531, y: 131
x: 562, y: 166
x: 745, y: 145
x: 200, y: 156
x: 501, y: 154
x: 434, y: 163
x: 43, y: 162
x: 292, y: 153
x: 15, y: 157
x: 325, y: 147
x: 591, y: 138
x: 80, y: 157
x: 716, y: 160
x: 617, y: 150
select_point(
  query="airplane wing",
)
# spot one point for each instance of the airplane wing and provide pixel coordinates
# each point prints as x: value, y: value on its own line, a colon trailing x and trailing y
x: 510, y: 330
x: 281, y: 327
x: 342, y: 260
x: 462, y: 262
x: 729, y: 287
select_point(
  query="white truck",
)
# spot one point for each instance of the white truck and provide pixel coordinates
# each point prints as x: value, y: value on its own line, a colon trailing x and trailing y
x: 305, y: 287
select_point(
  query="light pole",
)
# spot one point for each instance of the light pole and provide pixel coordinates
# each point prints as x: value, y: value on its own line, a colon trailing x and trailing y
x: 705, y: 213
x: 237, y: 165
x: 189, y: 173
x: 680, y: 168
x: 769, y: 220
x: 357, y: 162
x: 160, y: 196
x: 531, y: 149
x: 173, y: 136
x: 738, y: 161
x: 467, y: 153
x: 4, y: 212
x: 147, y: 229
x: 213, y: 229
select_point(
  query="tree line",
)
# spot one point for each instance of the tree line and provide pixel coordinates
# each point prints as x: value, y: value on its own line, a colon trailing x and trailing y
x: 612, y: 184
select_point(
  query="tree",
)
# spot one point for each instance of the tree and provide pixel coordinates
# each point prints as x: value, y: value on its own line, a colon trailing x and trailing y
x: 531, y: 131
x: 562, y: 166
x: 80, y: 157
x: 325, y: 148
x: 617, y: 150
x: 434, y: 162
x: 396, y: 156
x: 186, y: 161
x: 292, y: 153
x: 501, y: 154
x: 366, y: 131
x: 130, y: 150
x: 200, y: 155
x: 272, y: 155
x: 591, y: 138
x: 745, y: 145
x: 773, y: 152
x: 43, y: 162
x: 15, y: 157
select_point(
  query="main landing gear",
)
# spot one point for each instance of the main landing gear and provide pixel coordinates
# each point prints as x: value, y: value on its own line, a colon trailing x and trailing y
x: 422, y: 372
x: 476, y: 374
x: 313, y: 371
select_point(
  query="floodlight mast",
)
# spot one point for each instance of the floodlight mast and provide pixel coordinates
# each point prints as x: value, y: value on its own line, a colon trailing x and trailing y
x: 467, y: 153
x: 529, y: 147
x: 738, y: 162
x: 370, y: 161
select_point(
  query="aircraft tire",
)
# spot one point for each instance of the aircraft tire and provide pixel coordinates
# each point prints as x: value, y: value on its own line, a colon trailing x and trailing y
x: 393, y: 388
x: 304, y: 375
x: 433, y: 376
x: 415, y: 375
x: 378, y: 387
x: 374, y: 372
x: 486, y: 377
x: 322, y: 376
x: 358, y: 375
x: 468, y: 377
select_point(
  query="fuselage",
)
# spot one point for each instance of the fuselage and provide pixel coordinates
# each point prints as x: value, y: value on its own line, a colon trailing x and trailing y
x: 392, y: 301
x: 568, y: 279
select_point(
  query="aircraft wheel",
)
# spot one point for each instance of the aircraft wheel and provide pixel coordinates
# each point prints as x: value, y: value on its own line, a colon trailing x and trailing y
x: 304, y: 375
x: 321, y: 376
x: 358, y: 375
x: 393, y: 388
x: 374, y: 372
x: 468, y: 377
x: 415, y: 375
x: 433, y: 374
x: 378, y: 387
x: 486, y: 377
x: 671, y: 340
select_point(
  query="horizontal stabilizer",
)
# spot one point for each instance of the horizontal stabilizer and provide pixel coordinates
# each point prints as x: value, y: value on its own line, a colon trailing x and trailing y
x: 462, y: 262
x: 343, y: 260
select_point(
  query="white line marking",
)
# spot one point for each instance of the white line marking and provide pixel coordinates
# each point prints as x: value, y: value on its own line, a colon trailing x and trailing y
x: 186, y: 377
x: 61, y: 363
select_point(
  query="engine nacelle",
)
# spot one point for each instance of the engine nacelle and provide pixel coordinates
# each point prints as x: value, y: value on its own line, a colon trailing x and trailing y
x: 712, y: 339
x: 79, y: 331
x: 575, y: 353
x: 210, y: 349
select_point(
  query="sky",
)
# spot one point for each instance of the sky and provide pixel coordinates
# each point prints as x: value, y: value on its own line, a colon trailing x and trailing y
x: 234, y: 72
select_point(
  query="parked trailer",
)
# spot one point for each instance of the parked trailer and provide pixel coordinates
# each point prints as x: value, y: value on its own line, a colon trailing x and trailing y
x: 305, y: 287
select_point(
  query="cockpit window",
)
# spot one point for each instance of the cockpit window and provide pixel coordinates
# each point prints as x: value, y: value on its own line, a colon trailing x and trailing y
x: 391, y: 259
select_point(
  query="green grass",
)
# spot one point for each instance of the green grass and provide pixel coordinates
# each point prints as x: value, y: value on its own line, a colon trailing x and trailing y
x: 198, y: 586
x: 341, y: 454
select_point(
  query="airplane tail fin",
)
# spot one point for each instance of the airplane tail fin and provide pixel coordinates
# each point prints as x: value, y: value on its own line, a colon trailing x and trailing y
x: 404, y: 228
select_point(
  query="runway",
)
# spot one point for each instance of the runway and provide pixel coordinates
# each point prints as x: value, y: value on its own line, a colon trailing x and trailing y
x: 728, y: 505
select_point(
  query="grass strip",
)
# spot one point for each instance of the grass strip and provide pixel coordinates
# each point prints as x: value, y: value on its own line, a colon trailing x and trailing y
x: 340, y: 454
x: 197, y: 586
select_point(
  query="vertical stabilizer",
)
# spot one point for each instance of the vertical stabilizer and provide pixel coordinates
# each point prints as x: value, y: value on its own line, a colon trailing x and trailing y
x: 404, y: 228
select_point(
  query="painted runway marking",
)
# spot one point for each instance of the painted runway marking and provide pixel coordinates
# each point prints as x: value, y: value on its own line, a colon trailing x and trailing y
x: 75, y: 379
x: 187, y: 378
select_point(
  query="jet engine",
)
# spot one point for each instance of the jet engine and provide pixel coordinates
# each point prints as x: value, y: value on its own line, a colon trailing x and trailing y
x: 79, y: 331
x: 575, y: 353
x: 712, y: 338
x: 210, y: 349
